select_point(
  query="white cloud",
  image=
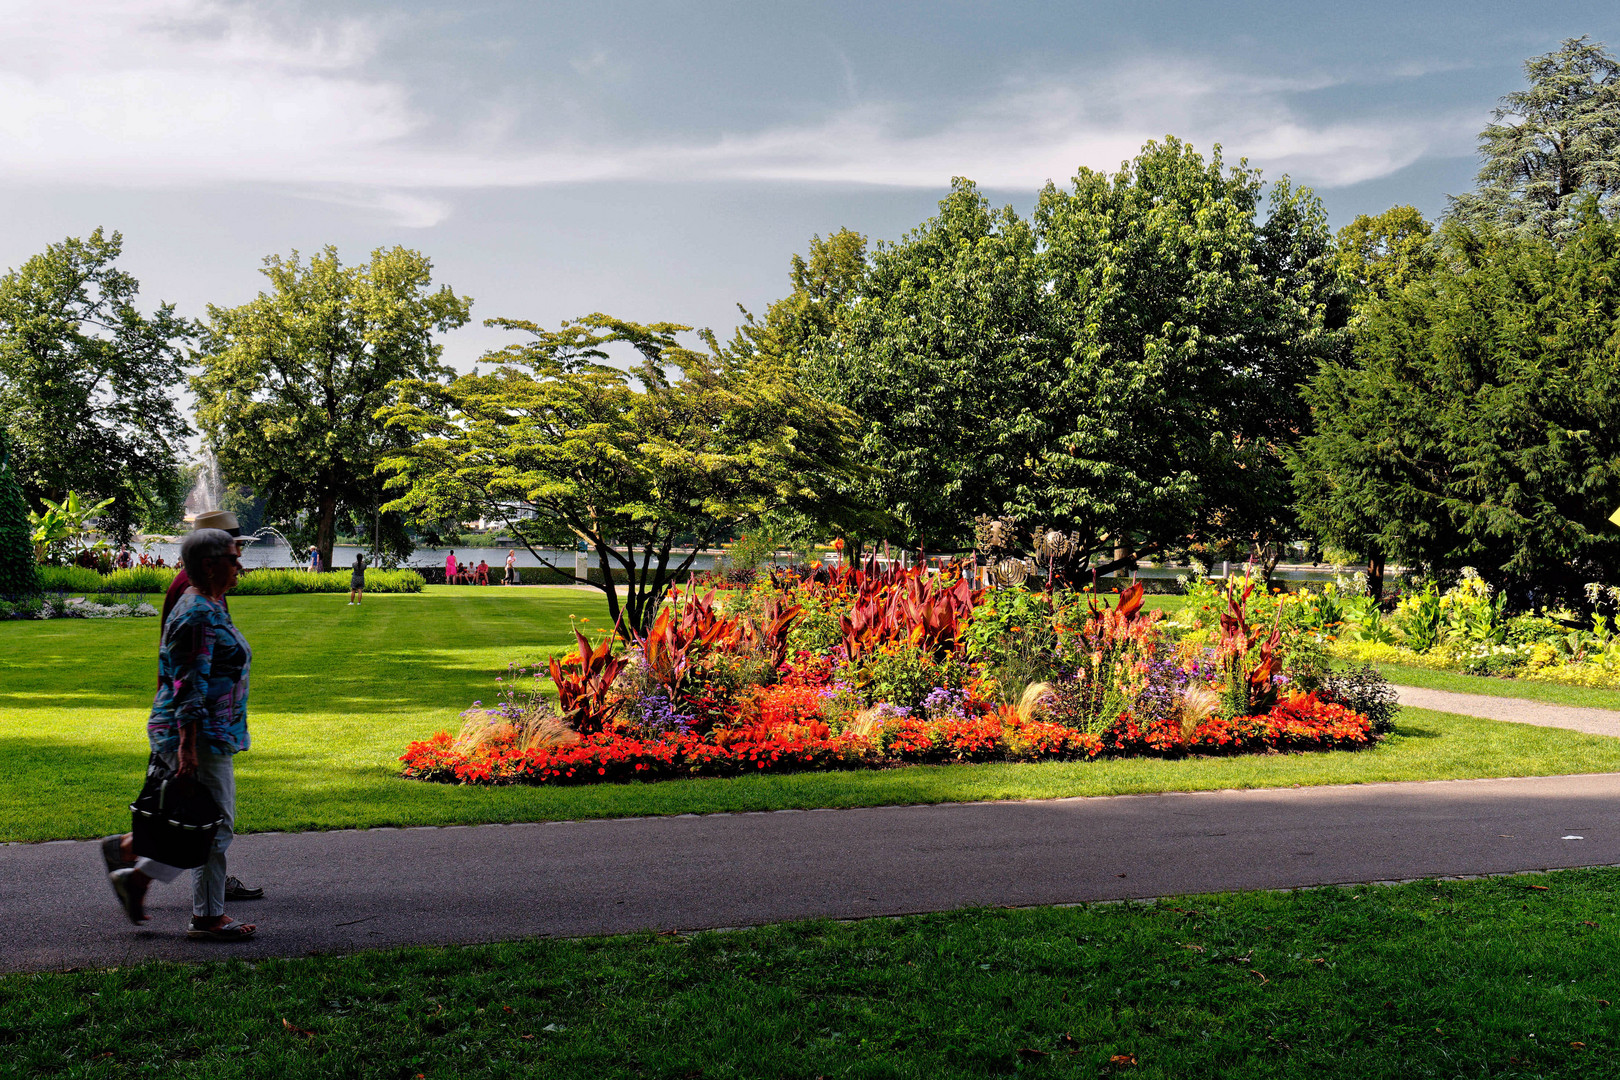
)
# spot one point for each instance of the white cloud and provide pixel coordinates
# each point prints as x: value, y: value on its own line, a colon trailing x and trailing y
x: 205, y: 92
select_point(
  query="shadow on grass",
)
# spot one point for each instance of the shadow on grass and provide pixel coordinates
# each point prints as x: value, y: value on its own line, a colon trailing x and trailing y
x: 51, y: 784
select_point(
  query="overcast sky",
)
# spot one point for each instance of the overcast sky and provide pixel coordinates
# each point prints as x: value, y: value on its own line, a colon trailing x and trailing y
x: 663, y: 160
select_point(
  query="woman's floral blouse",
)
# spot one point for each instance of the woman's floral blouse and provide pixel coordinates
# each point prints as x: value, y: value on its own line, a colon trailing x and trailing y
x: 202, y: 678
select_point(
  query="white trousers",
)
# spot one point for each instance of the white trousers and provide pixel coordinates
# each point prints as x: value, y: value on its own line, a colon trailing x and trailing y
x: 216, y: 773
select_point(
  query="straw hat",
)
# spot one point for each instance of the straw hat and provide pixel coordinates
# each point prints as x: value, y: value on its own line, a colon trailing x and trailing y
x: 217, y: 519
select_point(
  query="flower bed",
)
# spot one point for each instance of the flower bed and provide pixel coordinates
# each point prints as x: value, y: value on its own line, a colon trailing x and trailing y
x: 878, y: 669
x: 1301, y: 722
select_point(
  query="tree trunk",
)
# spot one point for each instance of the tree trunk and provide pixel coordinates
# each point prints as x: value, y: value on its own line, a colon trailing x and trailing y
x: 1375, y: 574
x: 326, y: 529
x: 615, y: 610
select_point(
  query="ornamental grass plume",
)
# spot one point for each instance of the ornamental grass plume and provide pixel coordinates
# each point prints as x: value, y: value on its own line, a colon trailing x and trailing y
x: 1198, y: 702
x: 532, y: 729
x: 1036, y: 700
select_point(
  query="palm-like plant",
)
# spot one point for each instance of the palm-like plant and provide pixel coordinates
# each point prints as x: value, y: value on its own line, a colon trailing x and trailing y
x: 65, y: 525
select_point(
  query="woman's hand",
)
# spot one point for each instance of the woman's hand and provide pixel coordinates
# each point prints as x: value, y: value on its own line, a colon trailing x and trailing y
x: 186, y: 758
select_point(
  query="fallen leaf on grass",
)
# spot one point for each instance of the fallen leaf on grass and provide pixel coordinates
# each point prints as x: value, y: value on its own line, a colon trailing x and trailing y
x: 1194, y: 948
x: 1122, y: 1061
x: 1603, y: 1001
x: 1578, y: 1045
x: 1318, y: 960
x: 295, y: 1029
x: 1029, y: 1053
x: 1538, y: 888
x: 1588, y: 922
x: 1262, y: 978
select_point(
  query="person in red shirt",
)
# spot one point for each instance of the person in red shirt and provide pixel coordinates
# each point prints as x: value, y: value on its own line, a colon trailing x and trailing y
x: 210, y: 519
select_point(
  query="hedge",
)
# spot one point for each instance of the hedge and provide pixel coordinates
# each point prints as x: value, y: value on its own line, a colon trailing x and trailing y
x: 155, y: 579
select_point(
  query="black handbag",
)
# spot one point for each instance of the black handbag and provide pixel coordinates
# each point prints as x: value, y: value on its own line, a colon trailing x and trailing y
x: 174, y: 818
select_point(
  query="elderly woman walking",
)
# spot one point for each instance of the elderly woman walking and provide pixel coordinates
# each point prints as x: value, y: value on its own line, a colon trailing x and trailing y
x: 197, y: 726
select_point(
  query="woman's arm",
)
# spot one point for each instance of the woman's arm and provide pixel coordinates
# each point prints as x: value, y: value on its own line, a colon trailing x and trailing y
x: 192, y: 653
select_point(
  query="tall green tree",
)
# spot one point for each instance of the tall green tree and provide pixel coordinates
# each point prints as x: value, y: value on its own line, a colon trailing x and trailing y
x: 1189, y: 306
x: 798, y: 333
x: 941, y: 348
x: 1377, y: 255
x: 1479, y: 421
x: 1123, y: 367
x: 1552, y: 146
x: 687, y: 447
x: 291, y: 383
x: 86, y: 379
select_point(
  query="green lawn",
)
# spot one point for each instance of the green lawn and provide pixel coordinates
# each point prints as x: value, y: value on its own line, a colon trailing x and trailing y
x: 1554, y: 693
x: 1511, y: 977
x: 338, y: 693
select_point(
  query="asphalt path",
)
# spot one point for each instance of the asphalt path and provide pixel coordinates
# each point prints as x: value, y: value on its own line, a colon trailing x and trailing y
x: 358, y: 889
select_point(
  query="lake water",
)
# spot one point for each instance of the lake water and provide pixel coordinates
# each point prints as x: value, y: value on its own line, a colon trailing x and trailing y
x: 279, y: 555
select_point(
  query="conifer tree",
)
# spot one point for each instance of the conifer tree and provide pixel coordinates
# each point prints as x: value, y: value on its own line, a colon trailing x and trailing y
x: 18, y: 577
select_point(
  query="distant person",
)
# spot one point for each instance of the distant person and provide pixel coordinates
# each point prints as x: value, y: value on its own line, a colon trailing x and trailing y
x: 482, y: 577
x: 511, y: 576
x: 357, y: 580
x: 450, y: 568
x: 314, y: 560
x: 197, y: 726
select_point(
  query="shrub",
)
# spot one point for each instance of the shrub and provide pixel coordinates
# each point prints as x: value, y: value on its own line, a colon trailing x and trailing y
x: 157, y: 579
x: 139, y: 579
x: 1363, y: 690
x: 283, y: 582
x: 69, y: 579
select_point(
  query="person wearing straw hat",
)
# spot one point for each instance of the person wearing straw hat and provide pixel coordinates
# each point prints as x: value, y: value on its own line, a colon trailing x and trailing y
x: 197, y: 726
x: 113, y: 847
x: 223, y: 520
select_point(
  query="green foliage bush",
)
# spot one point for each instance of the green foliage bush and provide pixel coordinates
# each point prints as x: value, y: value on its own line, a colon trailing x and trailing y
x: 280, y: 582
x: 139, y: 579
x: 1364, y: 690
x: 73, y: 579
x: 153, y: 579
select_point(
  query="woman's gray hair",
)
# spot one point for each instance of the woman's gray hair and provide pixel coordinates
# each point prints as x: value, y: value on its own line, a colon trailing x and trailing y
x: 200, y: 549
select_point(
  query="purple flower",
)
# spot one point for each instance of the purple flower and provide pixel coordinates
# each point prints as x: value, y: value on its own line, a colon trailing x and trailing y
x: 943, y: 704
x: 655, y: 712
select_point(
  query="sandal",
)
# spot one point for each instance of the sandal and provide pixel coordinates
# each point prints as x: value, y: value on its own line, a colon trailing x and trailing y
x: 129, y: 897
x: 229, y: 930
x: 235, y: 890
x: 112, y: 853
